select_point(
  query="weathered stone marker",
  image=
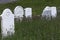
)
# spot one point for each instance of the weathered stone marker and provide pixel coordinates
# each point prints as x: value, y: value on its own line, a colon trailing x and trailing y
x: 46, y: 13
x: 54, y: 12
x: 19, y: 12
x: 49, y: 12
x: 7, y: 23
x: 28, y: 12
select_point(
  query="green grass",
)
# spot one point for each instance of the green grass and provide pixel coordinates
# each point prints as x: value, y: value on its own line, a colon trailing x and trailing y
x: 37, y: 29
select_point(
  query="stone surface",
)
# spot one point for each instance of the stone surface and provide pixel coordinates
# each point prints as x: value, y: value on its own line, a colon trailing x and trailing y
x: 19, y: 12
x: 7, y: 23
x: 49, y: 12
x: 53, y: 12
x: 28, y: 12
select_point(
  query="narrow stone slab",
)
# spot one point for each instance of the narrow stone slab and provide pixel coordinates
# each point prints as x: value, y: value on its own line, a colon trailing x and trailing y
x: 28, y: 12
x: 53, y: 12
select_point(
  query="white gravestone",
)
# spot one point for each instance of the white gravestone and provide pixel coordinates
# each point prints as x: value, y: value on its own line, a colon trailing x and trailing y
x: 53, y: 12
x: 7, y: 23
x: 47, y: 13
x: 19, y: 12
x: 28, y: 12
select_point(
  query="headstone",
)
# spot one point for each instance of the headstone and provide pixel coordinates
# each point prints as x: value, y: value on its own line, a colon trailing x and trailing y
x: 19, y: 12
x: 47, y: 13
x: 28, y: 12
x: 53, y: 12
x: 7, y: 23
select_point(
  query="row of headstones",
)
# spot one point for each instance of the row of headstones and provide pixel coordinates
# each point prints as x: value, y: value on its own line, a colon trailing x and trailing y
x: 20, y: 13
x: 7, y: 19
x: 49, y: 12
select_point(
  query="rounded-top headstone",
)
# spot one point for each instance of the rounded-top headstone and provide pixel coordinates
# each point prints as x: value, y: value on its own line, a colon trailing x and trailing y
x: 46, y: 13
x: 18, y: 11
x: 7, y: 22
x: 46, y: 8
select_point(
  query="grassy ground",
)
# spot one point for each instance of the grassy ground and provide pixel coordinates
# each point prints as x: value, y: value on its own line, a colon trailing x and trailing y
x: 37, y: 29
